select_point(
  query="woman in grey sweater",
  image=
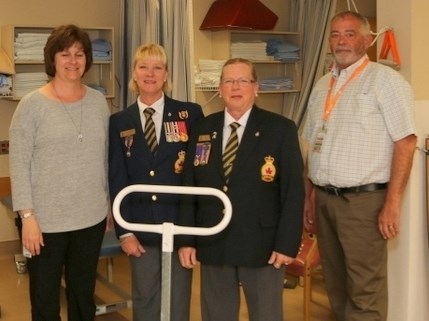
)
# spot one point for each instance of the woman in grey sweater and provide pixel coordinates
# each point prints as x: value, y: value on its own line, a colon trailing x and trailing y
x: 58, y: 165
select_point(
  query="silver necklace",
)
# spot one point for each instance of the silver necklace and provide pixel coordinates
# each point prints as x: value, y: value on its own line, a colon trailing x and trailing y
x: 78, y: 129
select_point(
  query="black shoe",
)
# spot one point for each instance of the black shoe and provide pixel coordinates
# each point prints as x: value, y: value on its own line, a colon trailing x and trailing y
x: 290, y: 283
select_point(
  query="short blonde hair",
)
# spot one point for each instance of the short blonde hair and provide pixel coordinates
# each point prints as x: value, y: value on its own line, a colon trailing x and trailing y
x: 152, y: 51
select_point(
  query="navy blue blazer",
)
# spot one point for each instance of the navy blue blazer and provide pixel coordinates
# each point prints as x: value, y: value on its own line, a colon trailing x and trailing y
x: 265, y: 188
x: 131, y: 162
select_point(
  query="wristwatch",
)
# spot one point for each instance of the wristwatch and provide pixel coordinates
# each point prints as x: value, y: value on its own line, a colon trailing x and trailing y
x: 26, y: 214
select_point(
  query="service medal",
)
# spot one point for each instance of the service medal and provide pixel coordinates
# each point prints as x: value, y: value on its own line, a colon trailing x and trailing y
x: 175, y: 131
x: 128, y: 143
x: 167, y: 132
x: 184, y: 137
x: 183, y: 132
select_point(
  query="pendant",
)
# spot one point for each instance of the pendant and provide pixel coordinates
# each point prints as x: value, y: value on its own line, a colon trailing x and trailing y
x: 80, y: 137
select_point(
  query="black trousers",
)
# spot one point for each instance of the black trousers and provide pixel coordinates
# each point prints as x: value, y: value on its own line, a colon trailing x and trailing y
x: 76, y: 254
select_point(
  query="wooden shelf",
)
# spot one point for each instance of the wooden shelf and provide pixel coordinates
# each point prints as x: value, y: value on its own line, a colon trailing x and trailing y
x: 101, y: 73
x: 221, y: 43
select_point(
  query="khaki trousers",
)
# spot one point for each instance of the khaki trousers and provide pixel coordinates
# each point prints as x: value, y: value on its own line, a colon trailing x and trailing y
x: 354, y: 254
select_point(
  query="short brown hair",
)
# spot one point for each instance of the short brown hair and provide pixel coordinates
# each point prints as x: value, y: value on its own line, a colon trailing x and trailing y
x: 233, y: 61
x: 64, y: 37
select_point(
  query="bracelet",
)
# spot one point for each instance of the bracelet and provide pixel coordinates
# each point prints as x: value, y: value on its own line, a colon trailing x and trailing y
x: 26, y: 214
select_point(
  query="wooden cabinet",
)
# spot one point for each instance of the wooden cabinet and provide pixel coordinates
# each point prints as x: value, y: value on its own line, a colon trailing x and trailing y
x: 101, y: 74
x: 222, y: 41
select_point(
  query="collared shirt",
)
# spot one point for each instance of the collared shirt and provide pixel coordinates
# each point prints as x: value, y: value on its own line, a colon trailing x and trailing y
x: 156, y: 117
x: 228, y: 120
x: 342, y: 76
x: 373, y: 112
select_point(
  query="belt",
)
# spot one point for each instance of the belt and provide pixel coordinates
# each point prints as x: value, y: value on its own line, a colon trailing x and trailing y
x: 332, y: 190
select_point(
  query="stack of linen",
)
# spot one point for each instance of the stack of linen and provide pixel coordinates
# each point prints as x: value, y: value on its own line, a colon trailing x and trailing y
x: 276, y: 84
x: 282, y: 50
x: 26, y: 82
x: 101, y: 50
x: 5, y: 85
x: 208, y: 75
x: 255, y: 51
x: 29, y: 46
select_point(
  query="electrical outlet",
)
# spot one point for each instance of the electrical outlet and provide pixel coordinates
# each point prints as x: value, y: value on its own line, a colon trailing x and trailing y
x: 4, y: 147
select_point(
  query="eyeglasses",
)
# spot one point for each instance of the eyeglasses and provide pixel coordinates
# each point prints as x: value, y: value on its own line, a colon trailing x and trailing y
x: 241, y: 82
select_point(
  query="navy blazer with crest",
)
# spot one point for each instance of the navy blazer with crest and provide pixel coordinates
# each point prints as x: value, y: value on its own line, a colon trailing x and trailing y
x: 131, y: 162
x: 265, y: 187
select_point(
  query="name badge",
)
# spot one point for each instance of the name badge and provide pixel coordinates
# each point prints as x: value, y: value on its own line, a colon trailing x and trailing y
x: 318, y: 142
x: 129, y: 132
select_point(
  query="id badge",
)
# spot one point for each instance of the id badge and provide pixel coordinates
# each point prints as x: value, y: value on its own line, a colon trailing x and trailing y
x: 318, y: 142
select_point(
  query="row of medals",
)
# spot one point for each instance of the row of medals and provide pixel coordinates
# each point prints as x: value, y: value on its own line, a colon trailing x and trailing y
x: 175, y: 132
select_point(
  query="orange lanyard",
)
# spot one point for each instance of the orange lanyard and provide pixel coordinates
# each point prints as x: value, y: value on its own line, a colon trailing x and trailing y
x: 331, y: 100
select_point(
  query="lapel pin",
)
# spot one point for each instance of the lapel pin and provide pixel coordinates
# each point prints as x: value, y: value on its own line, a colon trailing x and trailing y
x: 183, y: 114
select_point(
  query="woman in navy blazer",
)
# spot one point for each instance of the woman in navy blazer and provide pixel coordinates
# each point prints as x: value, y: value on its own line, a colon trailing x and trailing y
x: 266, y: 190
x: 131, y: 161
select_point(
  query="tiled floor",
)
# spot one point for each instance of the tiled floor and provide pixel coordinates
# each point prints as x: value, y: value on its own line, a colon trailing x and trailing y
x: 15, y: 304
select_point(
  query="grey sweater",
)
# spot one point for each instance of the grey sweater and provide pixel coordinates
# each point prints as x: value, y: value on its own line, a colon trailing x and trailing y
x: 62, y: 178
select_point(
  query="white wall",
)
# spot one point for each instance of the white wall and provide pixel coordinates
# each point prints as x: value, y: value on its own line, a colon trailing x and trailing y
x: 409, y: 254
